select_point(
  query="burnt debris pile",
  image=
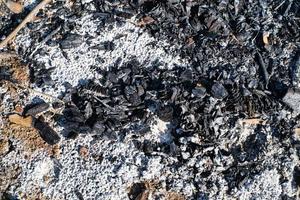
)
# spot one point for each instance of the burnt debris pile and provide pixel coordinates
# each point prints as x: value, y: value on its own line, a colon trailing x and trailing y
x: 130, y: 97
x: 243, y: 67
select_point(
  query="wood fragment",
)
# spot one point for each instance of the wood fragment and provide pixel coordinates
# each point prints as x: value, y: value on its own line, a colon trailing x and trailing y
x: 45, y: 96
x: 14, y: 6
x: 35, y: 109
x: 27, y: 19
x: 23, y: 121
x: 266, y: 38
x: 46, y: 132
x: 263, y: 68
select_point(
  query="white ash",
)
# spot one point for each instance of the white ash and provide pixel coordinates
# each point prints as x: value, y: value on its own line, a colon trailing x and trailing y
x: 160, y: 132
x: 129, y: 40
x: 262, y: 188
x: 123, y: 164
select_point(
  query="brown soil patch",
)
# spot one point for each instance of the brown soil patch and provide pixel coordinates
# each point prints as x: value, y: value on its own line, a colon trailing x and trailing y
x: 4, y: 146
x: 28, y: 136
x: 19, y: 71
x: 174, y: 196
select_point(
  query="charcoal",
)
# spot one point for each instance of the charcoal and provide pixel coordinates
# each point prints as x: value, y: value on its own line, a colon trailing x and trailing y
x: 187, y: 75
x: 47, y: 80
x: 132, y: 95
x: 166, y: 113
x: 112, y: 77
x: 70, y: 134
x: 57, y: 105
x: 73, y: 114
x: 46, y: 132
x: 34, y: 109
x: 199, y: 92
x: 109, y: 135
x: 262, y: 65
x: 219, y: 91
x: 99, y: 128
x: 71, y: 41
x: 294, y: 68
x: 108, y: 45
x: 136, y: 191
x: 78, y: 195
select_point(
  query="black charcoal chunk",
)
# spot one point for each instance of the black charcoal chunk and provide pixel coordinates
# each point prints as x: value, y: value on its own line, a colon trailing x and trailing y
x: 78, y: 195
x: 166, y: 113
x: 107, y: 45
x: 71, y: 41
x: 57, y: 104
x: 199, y: 92
x: 70, y: 134
x: 294, y: 68
x: 34, y: 109
x: 187, y: 75
x: 46, y: 132
x: 132, y: 95
x: 73, y: 114
x: 136, y: 191
x: 219, y: 91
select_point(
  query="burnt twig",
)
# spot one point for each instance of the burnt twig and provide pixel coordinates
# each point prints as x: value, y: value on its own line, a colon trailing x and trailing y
x: 263, y: 68
x: 29, y: 18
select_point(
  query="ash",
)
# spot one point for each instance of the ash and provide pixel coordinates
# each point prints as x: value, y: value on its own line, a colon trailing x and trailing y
x: 147, y: 116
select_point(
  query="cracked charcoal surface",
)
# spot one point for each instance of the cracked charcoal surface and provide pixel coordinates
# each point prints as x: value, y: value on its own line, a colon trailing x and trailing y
x: 155, y: 98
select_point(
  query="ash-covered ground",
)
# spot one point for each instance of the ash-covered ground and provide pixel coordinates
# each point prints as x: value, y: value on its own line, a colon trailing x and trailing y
x: 151, y: 100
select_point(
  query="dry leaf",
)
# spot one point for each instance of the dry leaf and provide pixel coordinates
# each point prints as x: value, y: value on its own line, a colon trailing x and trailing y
x: 14, y: 6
